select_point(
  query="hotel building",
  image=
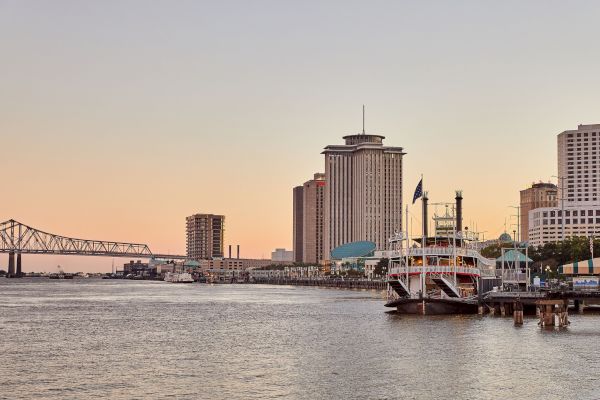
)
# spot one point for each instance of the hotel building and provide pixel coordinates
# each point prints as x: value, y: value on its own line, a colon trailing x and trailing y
x: 205, y: 234
x: 537, y: 196
x: 363, y: 192
x: 578, y: 188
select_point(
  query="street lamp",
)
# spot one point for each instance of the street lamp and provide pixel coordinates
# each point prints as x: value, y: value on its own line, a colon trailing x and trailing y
x: 518, y: 220
x: 562, y: 204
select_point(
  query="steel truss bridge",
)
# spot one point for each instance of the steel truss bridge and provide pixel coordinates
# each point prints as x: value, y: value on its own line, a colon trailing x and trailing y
x: 17, y: 238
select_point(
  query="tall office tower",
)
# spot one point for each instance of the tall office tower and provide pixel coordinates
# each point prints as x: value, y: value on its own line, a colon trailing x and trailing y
x: 363, y: 191
x: 314, y: 196
x: 205, y: 234
x: 537, y: 196
x: 298, y: 223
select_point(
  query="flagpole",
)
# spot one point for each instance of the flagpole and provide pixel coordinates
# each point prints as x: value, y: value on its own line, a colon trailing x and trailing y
x: 407, y: 249
x: 423, y: 276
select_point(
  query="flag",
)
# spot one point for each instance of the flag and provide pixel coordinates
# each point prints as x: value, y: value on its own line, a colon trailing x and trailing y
x: 418, y: 191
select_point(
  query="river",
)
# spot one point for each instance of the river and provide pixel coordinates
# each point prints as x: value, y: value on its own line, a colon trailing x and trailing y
x: 91, y: 338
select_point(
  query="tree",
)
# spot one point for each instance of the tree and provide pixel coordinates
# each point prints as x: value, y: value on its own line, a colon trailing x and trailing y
x: 381, y: 268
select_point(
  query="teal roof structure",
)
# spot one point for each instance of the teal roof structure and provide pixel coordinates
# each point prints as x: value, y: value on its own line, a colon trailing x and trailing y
x: 353, y: 249
x: 514, y: 256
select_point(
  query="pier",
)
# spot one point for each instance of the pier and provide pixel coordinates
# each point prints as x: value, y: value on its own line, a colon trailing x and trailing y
x: 551, y: 306
x: 330, y: 283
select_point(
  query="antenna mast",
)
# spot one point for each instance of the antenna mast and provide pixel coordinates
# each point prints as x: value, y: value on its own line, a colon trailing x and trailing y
x: 363, y: 119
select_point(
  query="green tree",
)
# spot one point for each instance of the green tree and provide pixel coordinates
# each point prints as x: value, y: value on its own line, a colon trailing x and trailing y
x: 381, y: 268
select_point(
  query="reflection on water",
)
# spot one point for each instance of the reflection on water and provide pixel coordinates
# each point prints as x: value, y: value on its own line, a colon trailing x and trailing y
x: 122, y: 340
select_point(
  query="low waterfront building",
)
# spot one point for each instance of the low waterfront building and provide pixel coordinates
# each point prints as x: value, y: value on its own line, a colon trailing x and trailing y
x: 546, y: 224
x: 241, y: 264
x: 138, y: 268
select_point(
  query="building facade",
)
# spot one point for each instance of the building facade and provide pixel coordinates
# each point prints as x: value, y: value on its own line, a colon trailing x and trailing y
x: 205, y: 235
x: 313, y: 213
x: 298, y: 225
x: 578, y: 190
x: 240, y: 264
x: 280, y: 255
x: 578, y: 164
x: 546, y: 224
x: 363, y: 192
x: 537, y: 196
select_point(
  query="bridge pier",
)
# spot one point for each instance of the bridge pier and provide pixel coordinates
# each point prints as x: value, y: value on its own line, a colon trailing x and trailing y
x: 19, y: 273
x: 11, y: 264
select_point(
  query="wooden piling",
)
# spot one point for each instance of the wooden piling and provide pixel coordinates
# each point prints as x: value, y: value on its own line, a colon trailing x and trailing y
x: 518, y: 312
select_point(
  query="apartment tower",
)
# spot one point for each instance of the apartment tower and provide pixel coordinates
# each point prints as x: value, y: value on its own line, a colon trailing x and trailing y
x: 363, y: 191
x: 205, y: 234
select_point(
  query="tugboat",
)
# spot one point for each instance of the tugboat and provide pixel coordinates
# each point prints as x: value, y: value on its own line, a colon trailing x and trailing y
x: 438, y: 274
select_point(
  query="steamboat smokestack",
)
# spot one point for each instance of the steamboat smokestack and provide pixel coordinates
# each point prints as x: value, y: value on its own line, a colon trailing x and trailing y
x: 425, y: 217
x: 229, y: 251
x: 238, y: 251
x: 459, y: 199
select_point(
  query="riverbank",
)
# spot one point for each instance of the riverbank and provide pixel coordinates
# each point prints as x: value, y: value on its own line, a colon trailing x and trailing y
x: 330, y: 283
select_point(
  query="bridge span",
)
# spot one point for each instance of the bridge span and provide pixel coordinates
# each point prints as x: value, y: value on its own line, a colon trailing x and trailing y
x: 17, y: 238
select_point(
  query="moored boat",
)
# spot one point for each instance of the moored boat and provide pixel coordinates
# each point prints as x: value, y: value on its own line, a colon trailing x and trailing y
x: 438, y: 274
x: 179, y: 277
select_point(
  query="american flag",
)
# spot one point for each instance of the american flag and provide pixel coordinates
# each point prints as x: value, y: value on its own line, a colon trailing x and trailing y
x: 418, y: 191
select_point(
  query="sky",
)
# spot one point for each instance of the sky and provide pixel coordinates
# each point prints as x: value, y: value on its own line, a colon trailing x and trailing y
x: 120, y: 118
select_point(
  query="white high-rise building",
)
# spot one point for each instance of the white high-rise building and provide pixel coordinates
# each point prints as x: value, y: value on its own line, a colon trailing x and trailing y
x: 578, y: 190
x: 579, y: 164
x: 363, y: 192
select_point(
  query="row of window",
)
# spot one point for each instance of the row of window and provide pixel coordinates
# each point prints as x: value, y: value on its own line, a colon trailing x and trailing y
x: 568, y: 221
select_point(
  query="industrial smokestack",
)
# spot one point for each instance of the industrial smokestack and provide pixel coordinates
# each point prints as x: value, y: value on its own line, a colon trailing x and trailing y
x: 459, y: 199
x: 238, y: 251
x: 229, y: 251
x: 425, y: 217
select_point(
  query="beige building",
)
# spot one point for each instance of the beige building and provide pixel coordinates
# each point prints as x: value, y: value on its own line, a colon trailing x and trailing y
x: 241, y: 264
x: 578, y: 188
x: 537, y: 196
x: 578, y: 165
x: 312, y: 235
x: 205, y: 234
x: 363, y: 192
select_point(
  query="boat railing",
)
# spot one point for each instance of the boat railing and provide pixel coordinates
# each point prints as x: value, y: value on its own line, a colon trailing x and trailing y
x: 435, y: 270
x: 429, y: 251
x: 514, y: 276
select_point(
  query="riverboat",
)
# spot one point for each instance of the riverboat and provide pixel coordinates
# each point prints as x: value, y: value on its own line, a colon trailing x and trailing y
x: 437, y: 274
x: 179, y: 277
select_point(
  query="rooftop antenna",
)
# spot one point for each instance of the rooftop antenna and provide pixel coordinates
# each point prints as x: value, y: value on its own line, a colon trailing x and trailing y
x: 363, y: 119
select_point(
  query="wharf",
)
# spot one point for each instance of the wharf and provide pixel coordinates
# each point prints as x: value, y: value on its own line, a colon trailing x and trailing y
x: 551, y: 306
x: 330, y: 283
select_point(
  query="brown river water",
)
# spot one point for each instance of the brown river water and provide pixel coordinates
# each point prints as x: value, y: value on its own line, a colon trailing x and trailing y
x: 91, y: 338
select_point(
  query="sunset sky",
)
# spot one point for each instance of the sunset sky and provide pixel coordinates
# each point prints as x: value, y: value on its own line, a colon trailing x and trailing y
x: 120, y: 118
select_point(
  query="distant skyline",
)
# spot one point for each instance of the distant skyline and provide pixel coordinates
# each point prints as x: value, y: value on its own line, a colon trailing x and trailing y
x: 119, y: 119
